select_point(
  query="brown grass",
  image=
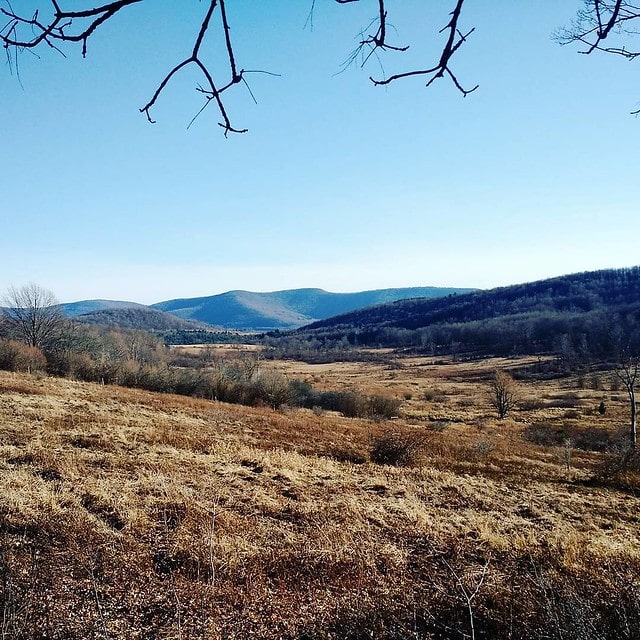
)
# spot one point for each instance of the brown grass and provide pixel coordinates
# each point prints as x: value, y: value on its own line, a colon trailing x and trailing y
x: 128, y: 514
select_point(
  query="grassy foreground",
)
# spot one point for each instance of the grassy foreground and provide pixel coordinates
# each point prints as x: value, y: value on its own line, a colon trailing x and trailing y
x: 128, y: 514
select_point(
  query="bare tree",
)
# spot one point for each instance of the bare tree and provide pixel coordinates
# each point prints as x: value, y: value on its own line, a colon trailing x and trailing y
x: 54, y: 26
x: 503, y: 393
x: 33, y: 315
x: 627, y: 372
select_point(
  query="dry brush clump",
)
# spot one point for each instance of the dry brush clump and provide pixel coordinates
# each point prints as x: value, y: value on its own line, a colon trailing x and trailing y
x: 397, y: 449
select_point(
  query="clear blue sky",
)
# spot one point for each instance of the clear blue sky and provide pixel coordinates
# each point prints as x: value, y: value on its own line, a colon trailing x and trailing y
x: 338, y: 184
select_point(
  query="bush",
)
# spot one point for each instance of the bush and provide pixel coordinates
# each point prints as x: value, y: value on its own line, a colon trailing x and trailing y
x: 545, y: 434
x: 79, y: 366
x: 587, y: 439
x: 396, y: 449
x: 592, y: 439
x: 621, y: 464
x: 302, y: 394
x: 189, y: 382
x: 383, y: 407
x: 273, y: 388
x: 17, y: 356
x: 348, y: 403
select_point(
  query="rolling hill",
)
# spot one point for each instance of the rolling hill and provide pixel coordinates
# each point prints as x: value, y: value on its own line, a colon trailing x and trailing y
x: 138, y: 317
x: 584, y: 311
x: 286, y: 309
x: 74, y: 309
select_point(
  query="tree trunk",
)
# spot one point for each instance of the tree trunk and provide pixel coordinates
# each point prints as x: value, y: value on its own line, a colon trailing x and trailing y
x: 634, y: 434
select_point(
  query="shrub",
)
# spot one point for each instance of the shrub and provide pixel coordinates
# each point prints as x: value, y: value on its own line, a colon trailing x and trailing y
x: 17, y: 356
x: 302, y: 394
x: 273, y: 388
x: 483, y: 448
x: 354, y: 405
x: 621, y: 464
x: 531, y: 404
x: 592, y: 439
x: 383, y: 407
x: 396, y: 449
x: 348, y: 403
x: 79, y: 366
x: 544, y: 434
x: 587, y: 439
x: 189, y: 382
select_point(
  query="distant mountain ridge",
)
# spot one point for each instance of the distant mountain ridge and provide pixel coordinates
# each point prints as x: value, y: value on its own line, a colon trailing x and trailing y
x: 582, y: 312
x: 74, y: 309
x: 287, y: 309
x: 573, y: 293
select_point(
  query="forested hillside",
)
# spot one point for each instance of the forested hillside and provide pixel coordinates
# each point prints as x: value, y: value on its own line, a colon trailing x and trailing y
x: 141, y: 318
x: 81, y: 307
x: 577, y: 313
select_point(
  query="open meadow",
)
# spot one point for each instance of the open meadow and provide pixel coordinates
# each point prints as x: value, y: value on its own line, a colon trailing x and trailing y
x: 131, y: 514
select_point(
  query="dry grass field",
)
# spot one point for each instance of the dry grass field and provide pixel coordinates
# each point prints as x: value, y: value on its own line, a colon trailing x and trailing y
x: 129, y: 514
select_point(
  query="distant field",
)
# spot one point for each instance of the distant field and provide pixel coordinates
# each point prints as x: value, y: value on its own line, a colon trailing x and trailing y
x: 129, y: 514
x: 217, y: 349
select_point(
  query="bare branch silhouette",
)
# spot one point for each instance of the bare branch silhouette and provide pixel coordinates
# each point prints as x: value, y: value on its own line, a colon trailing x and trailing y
x: 601, y: 25
x: 454, y: 41
x: 597, y: 21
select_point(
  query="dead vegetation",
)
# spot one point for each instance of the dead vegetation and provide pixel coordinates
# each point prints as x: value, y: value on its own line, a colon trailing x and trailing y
x: 130, y: 514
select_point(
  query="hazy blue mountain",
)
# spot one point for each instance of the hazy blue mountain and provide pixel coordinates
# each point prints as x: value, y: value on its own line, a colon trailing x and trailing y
x: 286, y: 309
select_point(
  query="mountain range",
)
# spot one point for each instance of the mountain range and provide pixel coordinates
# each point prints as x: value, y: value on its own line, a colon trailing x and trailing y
x: 286, y: 309
x: 594, y: 313
x: 243, y: 310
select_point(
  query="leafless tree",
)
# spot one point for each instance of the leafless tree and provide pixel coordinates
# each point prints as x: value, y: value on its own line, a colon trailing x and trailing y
x: 33, y: 315
x: 627, y: 371
x: 503, y: 393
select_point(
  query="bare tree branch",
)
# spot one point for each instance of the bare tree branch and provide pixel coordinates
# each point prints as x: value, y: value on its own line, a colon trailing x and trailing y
x: 211, y: 92
x: 599, y: 26
x: 454, y: 41
x: 59, y: 27
x: 597, y: 21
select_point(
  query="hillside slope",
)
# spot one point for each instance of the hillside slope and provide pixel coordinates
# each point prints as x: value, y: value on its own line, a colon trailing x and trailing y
x: 142, y: 318
x: 285, y: 309
x: 524, y: 318
x: 81, y: 307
